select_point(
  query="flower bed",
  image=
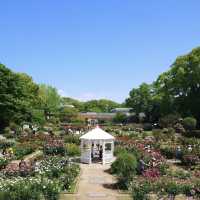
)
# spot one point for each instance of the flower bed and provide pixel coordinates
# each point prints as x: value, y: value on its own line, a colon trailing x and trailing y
x: 51, y: 176
x: 159, y: 176
x: 54, y: 147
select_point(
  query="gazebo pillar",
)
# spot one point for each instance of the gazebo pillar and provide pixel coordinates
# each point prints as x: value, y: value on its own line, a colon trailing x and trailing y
x: 112, y: 148
x: 90, y: 157
x: 103, y: 155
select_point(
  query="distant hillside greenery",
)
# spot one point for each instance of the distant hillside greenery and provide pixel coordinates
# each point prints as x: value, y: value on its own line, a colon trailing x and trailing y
x: 102, y: 105
x: 176, y: 91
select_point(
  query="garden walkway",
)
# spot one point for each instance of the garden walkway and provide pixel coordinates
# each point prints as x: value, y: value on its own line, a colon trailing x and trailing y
x: 96, y: 184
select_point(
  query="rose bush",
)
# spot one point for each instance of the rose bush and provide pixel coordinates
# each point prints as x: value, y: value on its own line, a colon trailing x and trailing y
x: 54, y: 147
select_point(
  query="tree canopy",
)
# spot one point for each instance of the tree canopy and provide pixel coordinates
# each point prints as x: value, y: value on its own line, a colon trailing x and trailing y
x: 102, y: 105
x: 175, y: 91
x: 18, y: 96
x: 50, y: 99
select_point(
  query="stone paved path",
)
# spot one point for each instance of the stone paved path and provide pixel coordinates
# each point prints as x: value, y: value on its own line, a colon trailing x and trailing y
x: 96, y: 184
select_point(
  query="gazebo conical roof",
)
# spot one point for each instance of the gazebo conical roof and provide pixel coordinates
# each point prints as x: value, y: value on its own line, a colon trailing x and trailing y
x: 97, y: 134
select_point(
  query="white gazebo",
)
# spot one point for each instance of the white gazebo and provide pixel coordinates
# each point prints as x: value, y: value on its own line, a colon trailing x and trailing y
x: 97, y: 146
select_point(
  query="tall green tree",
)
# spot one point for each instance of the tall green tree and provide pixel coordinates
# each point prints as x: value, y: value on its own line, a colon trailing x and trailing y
x: 50, y: 100
x: 142, y: 99
x: 176, y: 91
x: 180, y: 86
x: 18, y: 97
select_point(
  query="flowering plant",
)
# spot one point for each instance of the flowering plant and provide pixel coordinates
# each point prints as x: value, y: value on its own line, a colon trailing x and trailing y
x: 12, y: 169
x: 54, y: 147
x: 190, y: 160
x: 151, y: 174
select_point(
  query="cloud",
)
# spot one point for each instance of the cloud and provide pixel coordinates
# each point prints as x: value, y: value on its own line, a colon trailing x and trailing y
x: 62, y: 93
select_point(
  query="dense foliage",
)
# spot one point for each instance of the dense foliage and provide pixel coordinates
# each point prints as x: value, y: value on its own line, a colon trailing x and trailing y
x: 124, y: 167
x: 52, y: 175
x: 18, y: 97
x: 102, y: 105
x: 175, y: 91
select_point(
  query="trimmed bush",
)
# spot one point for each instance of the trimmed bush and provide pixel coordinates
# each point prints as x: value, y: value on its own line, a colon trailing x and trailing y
x: 189, y: 123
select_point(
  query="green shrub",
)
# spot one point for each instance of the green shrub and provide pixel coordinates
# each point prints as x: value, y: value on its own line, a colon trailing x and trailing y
x: 118, y: 150
x: 189, y: 123
x: 51, y: 189
x: 137, y: 153
x: 72, y: 139
x: 181, y: 174
x: 124, y: 167
x: 23, y: 149
x: 147, y: 127
x: 169, y: 120
x: 4, y: 143
x: 140, y: 192
x: 163, y: 168
x: 70, y: 174
x: 172, y: 188
x: 20, y: 190
x: 6, y: 130
x: 8, y: 133
x: 168, y: 152
x: 179, y: 128
x: 54, y: 147
x: 186, y: 189
x: 158, y: 135
x: 73, y: 150
x: 120, y: 118
x: 3, y: 163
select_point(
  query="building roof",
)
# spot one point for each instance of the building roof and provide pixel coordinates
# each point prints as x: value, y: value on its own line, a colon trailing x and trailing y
x: 97, y: 134
x: 98, y: 115
x: 121, y: 110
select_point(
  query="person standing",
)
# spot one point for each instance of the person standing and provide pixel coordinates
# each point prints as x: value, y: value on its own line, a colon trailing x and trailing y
x: 178, y: 153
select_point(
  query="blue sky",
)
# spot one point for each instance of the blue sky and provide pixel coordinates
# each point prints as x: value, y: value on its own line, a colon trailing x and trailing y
x: 96, y: 48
